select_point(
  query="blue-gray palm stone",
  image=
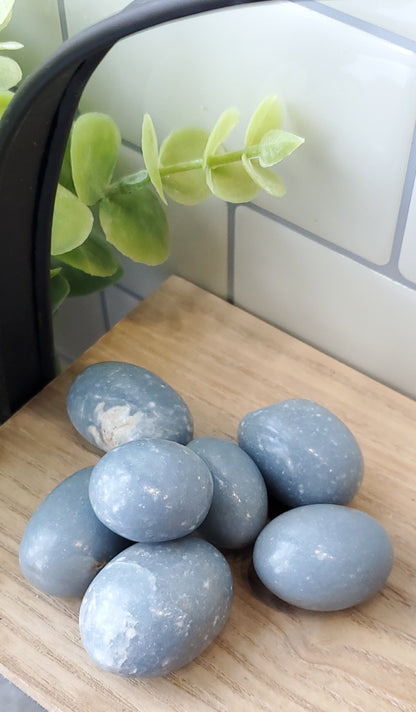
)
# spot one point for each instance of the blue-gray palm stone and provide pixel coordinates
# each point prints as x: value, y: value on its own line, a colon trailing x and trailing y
x: 156, y: 607
x: 112, y: 402
x: 151, y: 490
x: 64, y: 545
x: 305, y: 453
x: 239, y: 506
x: 323, y: 557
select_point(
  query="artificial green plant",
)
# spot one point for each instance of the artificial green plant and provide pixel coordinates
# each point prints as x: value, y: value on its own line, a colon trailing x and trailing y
x: 95, y: 217
x: 92, y: 213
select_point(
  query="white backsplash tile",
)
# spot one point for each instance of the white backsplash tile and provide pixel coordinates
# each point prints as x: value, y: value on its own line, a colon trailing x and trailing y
x: 326, y: 299
x: 395, y: 15
x: 350, y: 109
x: 407, y: 260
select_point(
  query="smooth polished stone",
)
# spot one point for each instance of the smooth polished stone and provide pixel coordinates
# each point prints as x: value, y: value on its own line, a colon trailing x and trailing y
x: 156, y: 607
x: 64, y: 544
x: 306, y: 454
x: 323, y: 557
x: 151, y: 490
x: 112, y: 402
x: 239, y: 506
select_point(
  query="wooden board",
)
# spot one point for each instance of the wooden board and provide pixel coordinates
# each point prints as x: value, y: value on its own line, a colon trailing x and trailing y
x: 270, y: 656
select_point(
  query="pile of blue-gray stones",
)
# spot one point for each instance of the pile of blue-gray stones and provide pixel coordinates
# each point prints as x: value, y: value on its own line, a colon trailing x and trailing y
x: 138, y: 536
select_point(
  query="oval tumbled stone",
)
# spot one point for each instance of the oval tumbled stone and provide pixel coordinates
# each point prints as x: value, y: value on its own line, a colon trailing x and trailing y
x: 151, y: 490
x: 239, y: 505
x: 112, y: 402
x: 305, y: 453
x: 155, y: 607
x: 323, y: 557
x: 64, y: 545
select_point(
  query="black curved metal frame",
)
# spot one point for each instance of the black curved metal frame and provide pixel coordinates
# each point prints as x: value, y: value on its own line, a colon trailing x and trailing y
x: 33, y: 137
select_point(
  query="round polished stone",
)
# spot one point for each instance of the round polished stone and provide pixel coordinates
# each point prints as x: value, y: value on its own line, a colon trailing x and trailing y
x: 151, y: 490
x: 239, y: 505
x: 112, y: 402
x: 156, y: 607
x: 305, y: 453
x: 64, y: 544
x: 323, y: 557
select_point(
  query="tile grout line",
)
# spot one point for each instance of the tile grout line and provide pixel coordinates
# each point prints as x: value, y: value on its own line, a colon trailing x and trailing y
x: 128, y: 291
x: 359, y: 24
x: 387, y: 270
x: 104, y: 310
x: 408, y: 186
x: 63, y: 19
x: 131, y: 145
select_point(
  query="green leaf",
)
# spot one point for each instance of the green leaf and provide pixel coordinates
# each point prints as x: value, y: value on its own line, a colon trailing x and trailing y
x: 6, y: 46
x: 220, y: 132
x: 94, y: 149
x: 6, y: 7
x: 5, y: 99
x: 65, y: 177
x: 276, y: 145
x: 72, y: 222
x: 81, y: 284
x: 264, y: 177
x: 10, y: 73
x: 94, y: 256
x: 59, y: 289
x: 185, y: 146
x: 231, y: 183
x: 151, y: 155
x: 267, y: 116
x: 134, y: 222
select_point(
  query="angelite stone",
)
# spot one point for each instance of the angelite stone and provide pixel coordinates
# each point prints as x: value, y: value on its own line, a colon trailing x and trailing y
x: 304, y: 452
x: 64, y: 545
x: 155, y: 607
x: 239, y: 506
x: 112, y: 402
x: 151, y: 490
x: 323, y: 557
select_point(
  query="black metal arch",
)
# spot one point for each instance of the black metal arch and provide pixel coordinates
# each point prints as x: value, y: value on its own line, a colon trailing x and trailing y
x: 34, y: 131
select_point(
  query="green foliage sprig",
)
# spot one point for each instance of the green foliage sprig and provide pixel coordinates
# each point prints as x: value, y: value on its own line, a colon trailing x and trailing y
x: 10, y: 72
x: 93, y: 215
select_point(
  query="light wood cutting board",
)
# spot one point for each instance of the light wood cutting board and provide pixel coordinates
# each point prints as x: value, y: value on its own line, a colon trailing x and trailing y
x: 270, y: 656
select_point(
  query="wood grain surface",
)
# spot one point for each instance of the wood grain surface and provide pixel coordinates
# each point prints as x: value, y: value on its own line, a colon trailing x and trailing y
x: 270, y: 656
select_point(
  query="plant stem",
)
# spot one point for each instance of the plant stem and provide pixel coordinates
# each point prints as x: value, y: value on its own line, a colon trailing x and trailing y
x: 181, y: 167
x: 140, y: 178
x: 222, y: 159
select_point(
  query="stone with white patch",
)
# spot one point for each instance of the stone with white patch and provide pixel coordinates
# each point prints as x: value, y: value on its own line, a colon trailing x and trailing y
x: 305, y: 453
x: 64, y: 544
x: 239, y: 506
x: 156, y: 607
x: 323, y: 557
x: 151, y: 490
x: 112, y: 402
